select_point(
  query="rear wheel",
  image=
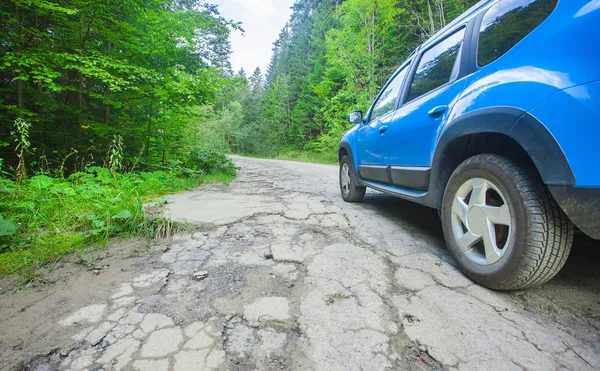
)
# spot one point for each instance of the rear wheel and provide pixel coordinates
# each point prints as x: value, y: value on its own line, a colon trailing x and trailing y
x: 350, y: 191
x: 502, y: 226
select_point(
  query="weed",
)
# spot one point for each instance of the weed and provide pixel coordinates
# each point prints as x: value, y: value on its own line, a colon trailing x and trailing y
x: 21, y: 137
x: 54, y: 216
x: 115, y: 154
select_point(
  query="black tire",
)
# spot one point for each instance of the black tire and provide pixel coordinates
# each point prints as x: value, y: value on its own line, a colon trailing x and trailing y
x: 541, y: 234
x: 354, y: 192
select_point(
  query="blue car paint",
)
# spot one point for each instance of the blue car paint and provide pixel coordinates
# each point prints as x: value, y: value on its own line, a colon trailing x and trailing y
x: 573, y: 117
x: 372, y: 146
x: 372, y: 143
x: 553, y: 74
x: 529, y: 74
x: 350, y: 137
x: 413, y: 133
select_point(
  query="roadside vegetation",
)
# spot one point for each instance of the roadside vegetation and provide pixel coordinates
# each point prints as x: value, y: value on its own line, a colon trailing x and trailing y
x: 103, y: 108
x: 293, y: 154
x: 47, y: 215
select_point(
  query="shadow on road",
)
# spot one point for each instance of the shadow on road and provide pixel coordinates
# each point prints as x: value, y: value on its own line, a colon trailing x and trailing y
x: 576, y: 288
x: 583, y: 266
x: 410, y: 215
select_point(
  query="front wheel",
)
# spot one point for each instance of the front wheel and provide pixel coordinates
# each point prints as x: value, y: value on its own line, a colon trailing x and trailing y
x: 502, y: 226
x: 350, y: 191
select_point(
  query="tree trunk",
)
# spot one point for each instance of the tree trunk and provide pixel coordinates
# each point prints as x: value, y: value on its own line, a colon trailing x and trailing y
x: 107, y: 89
x: 431, y: 21
x: 72, y: 95
x: 19, y: 83
x: 148, y: 139
x: 20, y: 94
x: 442, y: 15
x: 372, y: 55
x: 38, y: 86
x: 164, y: 146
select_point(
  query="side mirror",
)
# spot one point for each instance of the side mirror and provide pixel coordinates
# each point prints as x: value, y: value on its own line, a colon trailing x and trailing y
x: 355, y: 117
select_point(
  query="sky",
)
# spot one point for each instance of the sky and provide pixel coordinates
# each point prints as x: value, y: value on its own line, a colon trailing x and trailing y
x: 262, y: 20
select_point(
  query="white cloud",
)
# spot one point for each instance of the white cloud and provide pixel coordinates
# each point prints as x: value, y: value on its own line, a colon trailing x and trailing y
x: 262, y: 21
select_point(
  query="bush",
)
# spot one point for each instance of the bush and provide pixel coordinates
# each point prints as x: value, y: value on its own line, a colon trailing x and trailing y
x: 53, y: 216
x: 207, y: 162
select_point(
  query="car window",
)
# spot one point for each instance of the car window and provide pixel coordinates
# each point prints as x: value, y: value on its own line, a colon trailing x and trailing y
x: 437, y: 66
x: 507, y: 23
x: 389, y: 96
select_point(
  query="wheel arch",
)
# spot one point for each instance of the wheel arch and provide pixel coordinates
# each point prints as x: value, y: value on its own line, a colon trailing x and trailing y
x: 506, y: 131
x: 345, y: 148
x: 343, y: 151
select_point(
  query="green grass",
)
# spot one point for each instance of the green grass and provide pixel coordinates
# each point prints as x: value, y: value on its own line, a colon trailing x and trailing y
x: 302, y: 156
x: 216, y: 178
x: 46, y: 218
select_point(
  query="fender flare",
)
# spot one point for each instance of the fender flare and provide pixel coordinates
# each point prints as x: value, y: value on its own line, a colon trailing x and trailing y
x: 520, y: 126
x: 344, y: 144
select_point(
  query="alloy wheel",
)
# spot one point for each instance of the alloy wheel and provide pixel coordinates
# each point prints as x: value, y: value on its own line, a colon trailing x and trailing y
x: 481, y: 221
x: 345, y: 179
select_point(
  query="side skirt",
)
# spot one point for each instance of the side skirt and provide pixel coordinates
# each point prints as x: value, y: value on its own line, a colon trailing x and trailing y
x: 419, y: 197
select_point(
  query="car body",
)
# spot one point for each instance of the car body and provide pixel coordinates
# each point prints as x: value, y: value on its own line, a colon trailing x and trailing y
x: 524, y: 84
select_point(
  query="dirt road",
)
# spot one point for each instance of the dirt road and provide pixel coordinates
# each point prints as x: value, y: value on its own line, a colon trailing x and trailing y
x: 281, y: 274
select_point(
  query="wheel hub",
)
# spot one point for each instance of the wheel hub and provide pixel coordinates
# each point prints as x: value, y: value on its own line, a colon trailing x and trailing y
x: 481, y: 221
x: 345, y: 179
x: 477, y: 220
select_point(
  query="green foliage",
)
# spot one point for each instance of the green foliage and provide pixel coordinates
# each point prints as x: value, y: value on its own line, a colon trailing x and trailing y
x: 309, y: 155
x: 115, y: 154
x: 208, y: 162
x: 54, y: 216
x: 7, y: 227
x: 21, y: 137
x: 81, y: 72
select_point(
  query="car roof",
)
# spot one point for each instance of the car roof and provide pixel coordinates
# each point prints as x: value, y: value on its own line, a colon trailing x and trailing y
x: 471, y: 12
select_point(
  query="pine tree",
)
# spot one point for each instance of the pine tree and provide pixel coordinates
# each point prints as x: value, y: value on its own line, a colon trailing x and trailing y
x: 332, y: 57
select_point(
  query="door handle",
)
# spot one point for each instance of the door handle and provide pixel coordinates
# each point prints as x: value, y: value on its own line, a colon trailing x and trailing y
x: 383, y: 128
x: 437, y: 111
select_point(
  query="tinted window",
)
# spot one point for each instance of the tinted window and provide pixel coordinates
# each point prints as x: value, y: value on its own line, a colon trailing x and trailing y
x: 437, y: 66
x: 507, y: 23
x: 389, y: 96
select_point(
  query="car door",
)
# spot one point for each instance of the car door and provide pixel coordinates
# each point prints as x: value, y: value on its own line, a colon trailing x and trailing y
x: 414, y: 129
x: 372, y: 146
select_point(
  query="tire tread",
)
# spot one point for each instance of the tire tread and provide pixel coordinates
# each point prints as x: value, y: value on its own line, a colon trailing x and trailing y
x: 549, y: 231
x: 356, y: 193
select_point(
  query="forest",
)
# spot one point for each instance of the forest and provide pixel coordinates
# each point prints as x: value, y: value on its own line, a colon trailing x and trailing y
x: 109, y: 104
x: 331, y: 58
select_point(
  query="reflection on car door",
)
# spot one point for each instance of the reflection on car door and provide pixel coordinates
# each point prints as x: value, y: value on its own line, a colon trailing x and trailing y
x: 413, y: 131
x: 372, y: 145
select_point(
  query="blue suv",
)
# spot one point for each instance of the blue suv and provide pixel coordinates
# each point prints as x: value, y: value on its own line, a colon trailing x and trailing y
x: 494, y: 121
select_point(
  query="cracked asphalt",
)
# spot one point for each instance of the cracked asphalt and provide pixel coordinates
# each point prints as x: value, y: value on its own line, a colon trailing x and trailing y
x: 280, y: 274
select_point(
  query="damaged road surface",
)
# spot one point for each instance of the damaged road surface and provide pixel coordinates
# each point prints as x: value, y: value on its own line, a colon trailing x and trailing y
x: 281, y: 274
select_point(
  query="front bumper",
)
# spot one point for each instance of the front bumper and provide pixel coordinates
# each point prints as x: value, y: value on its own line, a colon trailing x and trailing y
x: 582, y: 206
